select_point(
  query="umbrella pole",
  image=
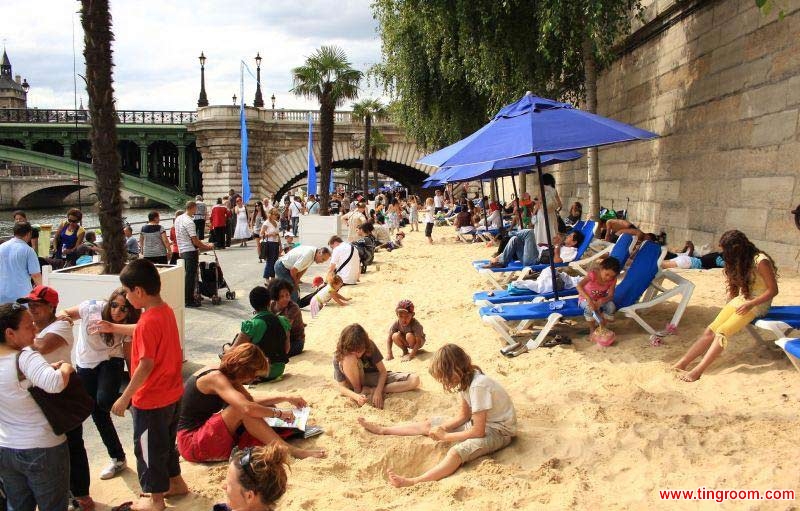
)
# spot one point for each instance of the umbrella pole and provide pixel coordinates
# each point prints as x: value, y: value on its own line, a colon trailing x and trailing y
x: 485, y: 206
x: 547, y: 226
x: 516, y: 198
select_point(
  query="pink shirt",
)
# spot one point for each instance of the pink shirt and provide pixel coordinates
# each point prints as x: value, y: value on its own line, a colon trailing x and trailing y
x: 596, y: 289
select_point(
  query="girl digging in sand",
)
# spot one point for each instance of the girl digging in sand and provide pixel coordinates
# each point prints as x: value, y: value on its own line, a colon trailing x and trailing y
x: 596, y: 292
x: 752, y: 284
x: 359, y: 370
x: 487, y: 421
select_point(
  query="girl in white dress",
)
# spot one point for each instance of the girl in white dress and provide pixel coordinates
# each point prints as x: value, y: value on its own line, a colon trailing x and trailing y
x: 242, y: 231
x: 553, y: 205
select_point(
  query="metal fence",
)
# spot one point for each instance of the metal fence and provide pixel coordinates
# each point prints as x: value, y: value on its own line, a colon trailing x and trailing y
x: 35, y: 115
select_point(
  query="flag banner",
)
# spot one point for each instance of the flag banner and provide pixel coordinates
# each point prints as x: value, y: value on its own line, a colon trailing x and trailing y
x: 243, y: 123
x: 312, y: 166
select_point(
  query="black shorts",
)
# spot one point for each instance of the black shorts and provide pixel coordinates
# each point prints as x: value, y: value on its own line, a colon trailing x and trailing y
x: 428, y: 230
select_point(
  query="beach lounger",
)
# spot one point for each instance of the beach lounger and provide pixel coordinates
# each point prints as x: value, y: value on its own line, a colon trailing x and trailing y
x: 620, y: 250
x: 780, y: 321
x: 640, y: 289
x: 499, y: 277
x: 792, y: 349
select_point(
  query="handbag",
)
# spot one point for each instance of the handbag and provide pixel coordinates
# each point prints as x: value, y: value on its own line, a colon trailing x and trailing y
x: 65, y: 410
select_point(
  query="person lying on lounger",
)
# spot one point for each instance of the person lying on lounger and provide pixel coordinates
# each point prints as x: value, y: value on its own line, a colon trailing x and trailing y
x: 522, y: 246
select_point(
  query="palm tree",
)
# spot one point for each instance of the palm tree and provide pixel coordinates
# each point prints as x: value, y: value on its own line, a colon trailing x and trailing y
x: 96, y: 22
x: 327, y: 77
x: 377, y: 145
x: 366, y: 110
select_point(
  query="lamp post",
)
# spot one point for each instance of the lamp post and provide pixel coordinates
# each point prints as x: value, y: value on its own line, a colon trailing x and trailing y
x: 273, y: 101
x: 234, y: 99
x: 203, y: 99
x: 258, y: 102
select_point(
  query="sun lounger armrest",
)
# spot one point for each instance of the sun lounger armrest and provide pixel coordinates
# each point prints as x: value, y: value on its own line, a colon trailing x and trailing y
x: 581, y: 265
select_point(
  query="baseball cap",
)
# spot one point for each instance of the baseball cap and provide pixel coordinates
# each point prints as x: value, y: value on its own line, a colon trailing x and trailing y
x: 288, y: 235
x: 41, y: 294
x: 405, y: 305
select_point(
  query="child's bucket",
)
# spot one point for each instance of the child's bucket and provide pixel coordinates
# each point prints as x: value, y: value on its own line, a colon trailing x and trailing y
x: 603, y: 336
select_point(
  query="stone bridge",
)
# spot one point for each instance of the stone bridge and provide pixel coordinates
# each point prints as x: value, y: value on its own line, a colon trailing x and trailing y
x: 168, y: 155
x: 24, y: 187
x: 278, y: 158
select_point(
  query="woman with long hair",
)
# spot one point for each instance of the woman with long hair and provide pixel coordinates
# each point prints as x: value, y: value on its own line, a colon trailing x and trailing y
x: 101, y: 351
x: 270, y: 235
x: 752, y: 282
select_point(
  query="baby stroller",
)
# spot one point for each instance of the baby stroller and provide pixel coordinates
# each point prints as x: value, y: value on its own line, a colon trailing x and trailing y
x: 212, y: 279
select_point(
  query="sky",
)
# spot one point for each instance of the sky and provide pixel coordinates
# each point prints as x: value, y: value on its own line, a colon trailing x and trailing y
x: 157, y: 45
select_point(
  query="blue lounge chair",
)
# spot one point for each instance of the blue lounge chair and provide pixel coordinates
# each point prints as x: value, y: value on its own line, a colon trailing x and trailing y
x: 620, y: 250
x: 641, y: 288
x: 780, y: 321
x: 499, y: 277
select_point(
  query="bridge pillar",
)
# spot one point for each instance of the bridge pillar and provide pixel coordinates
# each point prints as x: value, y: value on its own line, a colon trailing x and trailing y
x: 144, y: 165
x: 181, y: 166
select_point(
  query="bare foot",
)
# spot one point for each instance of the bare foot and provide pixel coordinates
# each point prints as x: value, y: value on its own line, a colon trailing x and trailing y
x: 679, y: 366
x: 370, y: 426
x: 407, y: 357
x: 147, y: 504
x: 689, y: 377
x: 307, y: 453
x: 177, y: 487
x: 398, y: 481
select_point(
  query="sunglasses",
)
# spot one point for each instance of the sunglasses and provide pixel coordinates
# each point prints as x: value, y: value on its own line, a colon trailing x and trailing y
x: 72, y: 220
x: 120, y: 306
x: 244, y: 461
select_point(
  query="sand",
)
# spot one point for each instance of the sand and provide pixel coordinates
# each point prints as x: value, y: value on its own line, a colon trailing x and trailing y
x: 598, y: 428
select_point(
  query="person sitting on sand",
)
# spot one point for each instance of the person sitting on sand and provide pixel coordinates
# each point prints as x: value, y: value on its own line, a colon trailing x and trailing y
x: 256, y: 479
x: 751, y: 279
x: 282, y: 304
x: 406, y: 333
x: 215, y: 405
x: 268, y: 331
x: 359, y: 370
x: 486, y: 423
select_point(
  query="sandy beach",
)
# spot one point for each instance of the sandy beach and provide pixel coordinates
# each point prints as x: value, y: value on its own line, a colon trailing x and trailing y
x: 598, y: 428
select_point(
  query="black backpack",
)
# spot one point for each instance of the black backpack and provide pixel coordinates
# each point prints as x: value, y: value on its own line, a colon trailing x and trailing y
x: 366, y: 251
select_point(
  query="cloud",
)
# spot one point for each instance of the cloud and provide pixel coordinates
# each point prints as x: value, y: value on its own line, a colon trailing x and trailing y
x: 157, y: 44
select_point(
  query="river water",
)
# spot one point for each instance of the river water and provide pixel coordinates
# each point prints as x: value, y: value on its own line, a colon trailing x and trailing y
x: 90, y: 218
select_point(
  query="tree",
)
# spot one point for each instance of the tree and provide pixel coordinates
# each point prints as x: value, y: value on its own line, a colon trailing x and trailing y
x: 328, y: 78
x: 451, y: 65
x: 366, y: 110
x: 96, y: 22
x: 377, y: 145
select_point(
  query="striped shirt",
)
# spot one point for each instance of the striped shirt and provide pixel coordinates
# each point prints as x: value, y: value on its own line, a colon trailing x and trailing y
x: 152, y: 245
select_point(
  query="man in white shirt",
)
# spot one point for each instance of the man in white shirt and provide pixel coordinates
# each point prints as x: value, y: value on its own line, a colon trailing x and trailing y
x: 188, y: 244
x: 296, y: 209
x: 354, y: 220
x: 312, y: 205
x: 343, y: 252
x: 438, y: 202
x: 293, y: 265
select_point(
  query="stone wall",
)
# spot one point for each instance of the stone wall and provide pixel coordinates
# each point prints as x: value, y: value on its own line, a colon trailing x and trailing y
x: 722, y: 88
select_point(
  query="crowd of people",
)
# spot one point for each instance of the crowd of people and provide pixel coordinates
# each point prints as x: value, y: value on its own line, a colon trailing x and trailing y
x: 211, y: 416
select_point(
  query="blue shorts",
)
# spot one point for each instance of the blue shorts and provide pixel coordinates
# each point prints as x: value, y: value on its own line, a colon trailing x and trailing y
x: 607, y: 309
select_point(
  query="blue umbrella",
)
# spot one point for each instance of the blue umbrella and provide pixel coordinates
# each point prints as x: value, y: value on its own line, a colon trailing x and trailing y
x: 503, y: 168
x: 535, y: 126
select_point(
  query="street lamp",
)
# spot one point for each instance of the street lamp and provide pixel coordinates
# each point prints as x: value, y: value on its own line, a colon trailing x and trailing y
x: 203, y: 99
x: 273, y: 101
x: 25, y: 85
x: 258, y: 102
x: 234, y: 100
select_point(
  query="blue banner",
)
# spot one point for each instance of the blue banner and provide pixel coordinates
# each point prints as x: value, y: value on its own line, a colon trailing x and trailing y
x: 312, y: 166
x: 243, y: 123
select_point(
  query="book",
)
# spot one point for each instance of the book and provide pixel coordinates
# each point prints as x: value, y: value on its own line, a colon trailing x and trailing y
x: 299, y: 427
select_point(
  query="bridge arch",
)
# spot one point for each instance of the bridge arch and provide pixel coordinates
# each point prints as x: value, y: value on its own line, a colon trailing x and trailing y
x: 397, y: 162
x: 49, y: 146
x: 129, y: 157
x: 10, y: 142
x: 48, y: 197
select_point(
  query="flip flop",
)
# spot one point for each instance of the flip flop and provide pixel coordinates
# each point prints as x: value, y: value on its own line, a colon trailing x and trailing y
x: 510, y: 348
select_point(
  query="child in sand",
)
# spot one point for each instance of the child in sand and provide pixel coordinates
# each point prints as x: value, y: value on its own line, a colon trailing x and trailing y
x: 486, y: 423
x: 155, y: 388
x: 596, y: 292
x: 268, y: 331
x: 406, y: 332
x: 359, y: 370
x: 429, y: 219
x: 328, y: 293
x: 752, y: 284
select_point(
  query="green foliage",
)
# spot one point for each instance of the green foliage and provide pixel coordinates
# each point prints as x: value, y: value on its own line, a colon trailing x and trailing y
x: 451, y: 64
x: 327, y: 75
x: 766, y: 6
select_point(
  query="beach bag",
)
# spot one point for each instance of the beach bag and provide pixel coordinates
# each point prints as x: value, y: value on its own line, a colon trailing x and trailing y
x: 65, y: 410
